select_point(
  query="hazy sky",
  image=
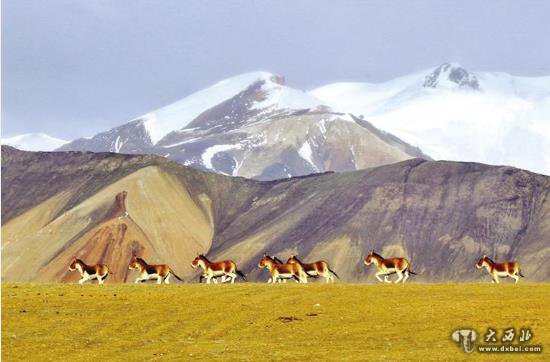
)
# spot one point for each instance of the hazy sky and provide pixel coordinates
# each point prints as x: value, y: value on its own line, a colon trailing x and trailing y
x: 73, y: 68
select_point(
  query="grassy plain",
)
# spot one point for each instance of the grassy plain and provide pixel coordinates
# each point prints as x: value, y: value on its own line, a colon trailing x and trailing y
x: 252, y: 321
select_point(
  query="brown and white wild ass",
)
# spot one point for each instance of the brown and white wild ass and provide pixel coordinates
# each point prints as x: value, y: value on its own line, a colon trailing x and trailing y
x: 226, y: 269
x: 160, y: 272
x: 89, y: 272
x: 507, y: 269
x: 317, y: 269
x: 281, y: 271
x: 389, y: 266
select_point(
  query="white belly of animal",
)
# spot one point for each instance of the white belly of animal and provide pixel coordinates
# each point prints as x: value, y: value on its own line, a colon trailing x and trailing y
x: 390, y: 270
x: 152, y: 276
x: 218, y: 273
x: 502, y: 274
x: 285, y: 276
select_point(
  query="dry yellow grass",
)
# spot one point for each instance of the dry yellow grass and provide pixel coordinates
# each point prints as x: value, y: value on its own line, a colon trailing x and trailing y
x: 251, y: 321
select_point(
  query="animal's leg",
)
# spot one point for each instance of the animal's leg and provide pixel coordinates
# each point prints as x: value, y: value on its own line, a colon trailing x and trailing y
x: 270, y: 280
x: 82, y: 280
x: 406, y: 276
x: 208, y: 278
x: 138, y: 279
x: 386, y: 278
x: 399, y: 277
x: 378, y: 277
x: 232, y: 276
x: 495, y: 278
x: 223, y: 278
x: 167, y: 279
x: 516, y: 278
x: 159, y: 280
x: 100, y: 280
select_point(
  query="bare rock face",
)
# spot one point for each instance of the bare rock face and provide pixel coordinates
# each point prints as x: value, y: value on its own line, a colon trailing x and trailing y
x: 442, y: 216
x: 119, y: 206
x: 448, y: 74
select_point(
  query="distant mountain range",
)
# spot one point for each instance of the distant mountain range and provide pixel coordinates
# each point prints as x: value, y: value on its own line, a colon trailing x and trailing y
x: 103, y: 207
x: 254, y: 125
x: 34, y: 142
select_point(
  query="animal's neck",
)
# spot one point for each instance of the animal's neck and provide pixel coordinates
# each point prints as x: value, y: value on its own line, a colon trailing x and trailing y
x: 141, y: 265
x: 204, y: 264
x: 377, y: 259
x: 79, y: 267
x: 269, y: 264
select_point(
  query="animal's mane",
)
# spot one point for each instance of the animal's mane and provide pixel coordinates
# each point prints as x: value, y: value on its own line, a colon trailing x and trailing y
x: 376, y: 254
x: 274, y: 258
x: 489, y: 259
x: 296, y: 258
x: 204, y: 257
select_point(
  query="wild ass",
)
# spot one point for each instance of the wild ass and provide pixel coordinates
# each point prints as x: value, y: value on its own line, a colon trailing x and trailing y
x: 160, y: 272
x: 89, y: 272
x: 389, y: 266
x: 316, y: 269
x: 227, y: 269
x: 280, y: 271
x: 506, y: 269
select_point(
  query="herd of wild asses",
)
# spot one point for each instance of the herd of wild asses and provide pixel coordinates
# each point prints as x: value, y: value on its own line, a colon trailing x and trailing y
x: 279, y: 271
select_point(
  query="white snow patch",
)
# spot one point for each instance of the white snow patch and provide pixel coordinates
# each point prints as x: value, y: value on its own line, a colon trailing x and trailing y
x: 209, y: 153
x: 306, y: 153
x: 117, y: 145
x: 282, y: 97
x: 182, y: 142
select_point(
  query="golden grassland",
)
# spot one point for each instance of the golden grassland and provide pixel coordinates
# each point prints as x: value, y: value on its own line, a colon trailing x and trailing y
x: 250, y: 321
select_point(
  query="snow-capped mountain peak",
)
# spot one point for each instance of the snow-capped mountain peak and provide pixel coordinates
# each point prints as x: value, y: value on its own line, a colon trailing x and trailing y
x: 34, y: 142
x: 450, y: 76
x: 179, y: 114
x: 278, y: 96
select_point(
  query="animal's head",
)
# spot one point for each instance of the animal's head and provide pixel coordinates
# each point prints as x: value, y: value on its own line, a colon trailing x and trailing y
x: 369, y: 259
x: 72, y: 265
x: 292, y: 260
x: 265, y: 262
x: 482, y: 262
x: 465, y: 339
x: 134, y: 263
x: 196, y: 262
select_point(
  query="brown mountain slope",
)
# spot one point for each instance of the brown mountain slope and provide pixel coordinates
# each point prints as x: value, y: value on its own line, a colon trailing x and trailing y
x: 441, y: 215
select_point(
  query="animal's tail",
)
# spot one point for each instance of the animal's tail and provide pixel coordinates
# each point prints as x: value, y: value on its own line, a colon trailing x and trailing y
x: 175, y: 276
x: 333, y: 272
x: 410, y: 271
x: 521, y: 274
x: 241, y: 274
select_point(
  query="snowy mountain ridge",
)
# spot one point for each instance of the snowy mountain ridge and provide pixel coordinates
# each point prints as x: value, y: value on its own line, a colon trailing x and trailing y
x: 34, y: 142
x: 453, y: 114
